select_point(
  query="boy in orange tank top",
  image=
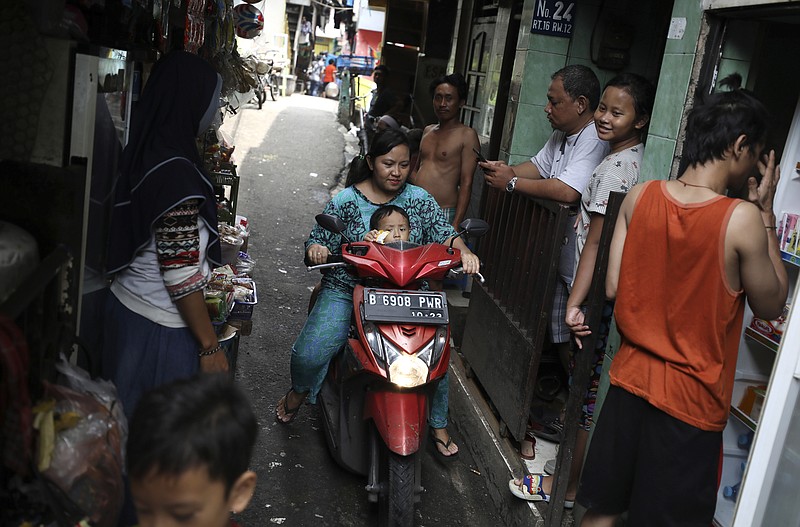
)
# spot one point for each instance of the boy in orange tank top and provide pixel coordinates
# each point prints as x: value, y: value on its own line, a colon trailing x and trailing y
x: 680, y: 273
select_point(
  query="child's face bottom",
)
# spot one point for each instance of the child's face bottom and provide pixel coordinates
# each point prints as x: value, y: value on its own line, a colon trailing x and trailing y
x: 397, y: 226
x: 190, y: 499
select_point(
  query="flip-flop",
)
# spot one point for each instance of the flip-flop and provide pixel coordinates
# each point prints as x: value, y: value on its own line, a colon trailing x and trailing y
x: 551, y: 431
x: 530, y: 489
x: 446, y: 445
x: 291, y: 413
x: 529, y: 438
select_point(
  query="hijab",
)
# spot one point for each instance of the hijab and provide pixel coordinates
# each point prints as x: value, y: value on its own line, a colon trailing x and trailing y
x: 161, y: 166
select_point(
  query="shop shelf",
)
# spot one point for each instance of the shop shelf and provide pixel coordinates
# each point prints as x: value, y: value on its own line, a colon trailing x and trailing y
x: 763, y: 340
x: 744, y: 418
x: 791, y: 258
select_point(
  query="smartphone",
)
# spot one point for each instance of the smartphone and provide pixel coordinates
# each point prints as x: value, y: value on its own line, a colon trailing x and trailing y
x: 480, y: 156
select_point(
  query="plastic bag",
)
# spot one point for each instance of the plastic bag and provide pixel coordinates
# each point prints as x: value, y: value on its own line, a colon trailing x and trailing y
x: 81, y: 443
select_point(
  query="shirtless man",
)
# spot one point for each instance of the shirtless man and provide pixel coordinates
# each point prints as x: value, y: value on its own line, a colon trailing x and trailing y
x: 447, y: 162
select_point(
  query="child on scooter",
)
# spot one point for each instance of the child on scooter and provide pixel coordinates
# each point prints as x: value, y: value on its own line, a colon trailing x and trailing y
x: 188, y: 453
x: 389, y: 223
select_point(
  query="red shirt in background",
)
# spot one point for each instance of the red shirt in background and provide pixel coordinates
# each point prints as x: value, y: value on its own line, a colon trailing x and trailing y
x: 330, y: 74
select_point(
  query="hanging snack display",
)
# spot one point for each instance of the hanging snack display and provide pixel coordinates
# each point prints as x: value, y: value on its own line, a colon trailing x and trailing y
x: 195, y: 30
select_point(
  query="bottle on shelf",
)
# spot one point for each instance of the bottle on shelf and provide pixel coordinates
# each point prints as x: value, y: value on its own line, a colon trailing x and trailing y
x: 731, y: 492
x: 744, y: 441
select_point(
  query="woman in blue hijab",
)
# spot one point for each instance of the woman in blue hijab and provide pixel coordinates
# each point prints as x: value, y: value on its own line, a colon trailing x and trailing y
x: 163, y: 236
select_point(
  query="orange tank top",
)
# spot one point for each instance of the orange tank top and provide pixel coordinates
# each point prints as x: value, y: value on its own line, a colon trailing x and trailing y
x: 677, y: 315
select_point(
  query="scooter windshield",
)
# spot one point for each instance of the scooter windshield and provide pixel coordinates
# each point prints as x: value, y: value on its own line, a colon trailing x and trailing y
x: 402, y: 245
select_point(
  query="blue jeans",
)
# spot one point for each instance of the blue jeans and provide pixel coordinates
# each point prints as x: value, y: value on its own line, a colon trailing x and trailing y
x: 323, y: 335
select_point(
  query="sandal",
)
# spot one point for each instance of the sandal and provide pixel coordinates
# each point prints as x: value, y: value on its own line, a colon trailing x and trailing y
x: 551, y: 431
x: 291, y: 413
x: 530, y: 489
x: 446, y: 445
x: 528, y: 440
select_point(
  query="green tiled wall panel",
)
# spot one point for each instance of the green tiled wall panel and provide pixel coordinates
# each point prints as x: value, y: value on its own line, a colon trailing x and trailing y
x: 531, y: 130
x: 676, y: 71
x: 539, y: 66
x: 692, y: 11
x: 658, y: 155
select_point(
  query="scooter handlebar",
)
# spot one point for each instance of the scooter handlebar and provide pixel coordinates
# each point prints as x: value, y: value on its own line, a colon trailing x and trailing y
x: 460, y: 270
x: 333, y: 260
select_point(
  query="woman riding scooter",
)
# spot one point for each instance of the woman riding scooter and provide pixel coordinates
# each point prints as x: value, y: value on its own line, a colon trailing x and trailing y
x: 381, y: 180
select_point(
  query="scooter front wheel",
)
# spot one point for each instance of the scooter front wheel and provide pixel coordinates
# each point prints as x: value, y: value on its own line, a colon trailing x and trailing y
x: 396, y: 498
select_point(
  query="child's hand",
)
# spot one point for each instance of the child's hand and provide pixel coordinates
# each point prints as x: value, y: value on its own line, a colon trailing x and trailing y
x: 575, y: 320
x: 376, y: 236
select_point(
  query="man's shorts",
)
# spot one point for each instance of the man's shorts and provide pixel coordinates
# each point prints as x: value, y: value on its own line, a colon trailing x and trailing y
x: 661, y: 470
x: 450, y: 214
x: 559, y: 331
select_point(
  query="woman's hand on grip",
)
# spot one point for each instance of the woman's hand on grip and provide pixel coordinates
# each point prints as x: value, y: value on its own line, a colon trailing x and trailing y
x: 317, y: 254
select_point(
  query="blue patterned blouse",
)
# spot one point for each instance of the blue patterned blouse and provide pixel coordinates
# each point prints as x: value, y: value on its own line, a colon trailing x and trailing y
x: 428, y: 224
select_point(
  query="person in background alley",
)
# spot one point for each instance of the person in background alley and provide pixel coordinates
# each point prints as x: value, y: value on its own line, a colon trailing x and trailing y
x: 560, y: 171
x: 447, y: 161
x: 328, y: 75
x: 163, y: 240
x: 315, y: 75
x: 383, y: 100
x: 683, y: 259
x: 620, y: 118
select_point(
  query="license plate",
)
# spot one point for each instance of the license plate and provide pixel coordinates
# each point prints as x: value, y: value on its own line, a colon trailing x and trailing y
x: 416, y: 307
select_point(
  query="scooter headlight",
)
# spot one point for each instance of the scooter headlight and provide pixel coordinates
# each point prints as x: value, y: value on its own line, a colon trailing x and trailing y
x: 408, y: 371
x: 405, y: 370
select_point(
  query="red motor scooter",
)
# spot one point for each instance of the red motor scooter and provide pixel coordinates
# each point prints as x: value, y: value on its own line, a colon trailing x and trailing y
x: 376, y: 395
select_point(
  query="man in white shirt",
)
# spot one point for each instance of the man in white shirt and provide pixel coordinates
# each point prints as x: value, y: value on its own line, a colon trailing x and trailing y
x: 561, y: 170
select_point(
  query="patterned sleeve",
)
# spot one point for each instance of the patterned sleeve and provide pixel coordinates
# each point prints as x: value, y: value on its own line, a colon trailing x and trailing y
x: 613, y: 175
x: 322, y: 237
x: 178, y: 249
x: 345, y: 206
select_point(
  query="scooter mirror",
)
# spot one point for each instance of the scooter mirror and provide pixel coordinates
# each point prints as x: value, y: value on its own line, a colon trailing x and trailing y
x: 474, y: 227
x: 331, y: 223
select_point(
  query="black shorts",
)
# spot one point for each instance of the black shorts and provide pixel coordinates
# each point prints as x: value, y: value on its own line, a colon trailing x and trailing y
x: 661, y: 470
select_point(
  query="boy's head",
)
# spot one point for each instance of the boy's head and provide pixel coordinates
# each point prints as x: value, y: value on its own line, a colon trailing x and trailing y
x: 727, y: 120
x: 393, y: 219
x: 188, y: 452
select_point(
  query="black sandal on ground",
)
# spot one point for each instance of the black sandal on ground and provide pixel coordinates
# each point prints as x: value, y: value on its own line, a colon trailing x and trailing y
x: 290, y: 413
x: 446, y: 445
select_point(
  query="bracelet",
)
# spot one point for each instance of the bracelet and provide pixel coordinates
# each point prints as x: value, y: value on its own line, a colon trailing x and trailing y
x: 774, y: 227
x: 206, y: 353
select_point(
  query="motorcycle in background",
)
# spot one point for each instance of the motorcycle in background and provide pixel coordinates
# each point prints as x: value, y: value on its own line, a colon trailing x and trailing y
x: 266, y: 77
x: 376, y: 395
